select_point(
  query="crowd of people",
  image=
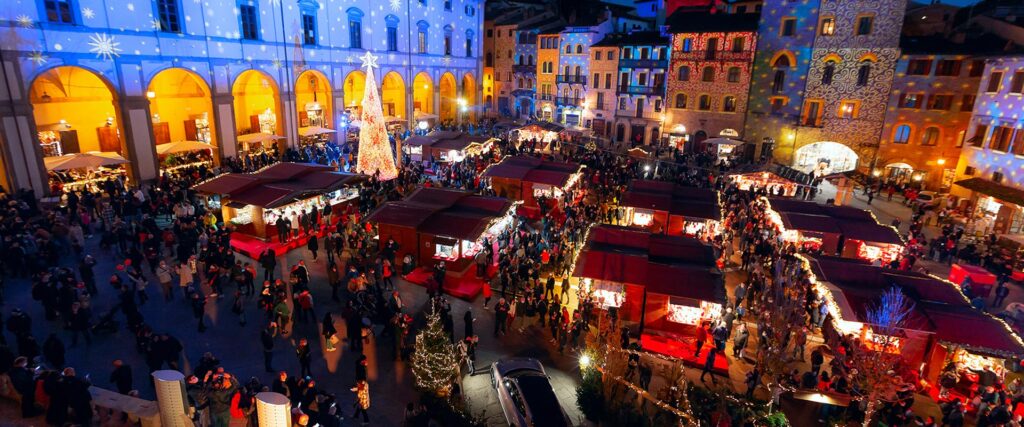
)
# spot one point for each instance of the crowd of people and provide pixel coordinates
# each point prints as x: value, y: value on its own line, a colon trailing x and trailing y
x: 164, y: 235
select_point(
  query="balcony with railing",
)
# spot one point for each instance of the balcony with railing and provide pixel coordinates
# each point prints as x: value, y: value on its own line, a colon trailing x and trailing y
x: 714, y: 55
x: 643, y: 63
x: 546, y: 97
x: 524, y: 69
x: 571, y: 78
x: 568, y: 101
x: 643, y: 90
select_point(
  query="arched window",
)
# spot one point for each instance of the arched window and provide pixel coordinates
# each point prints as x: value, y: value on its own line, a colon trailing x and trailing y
x: 930, y: 136
x: 901, y: 135
x: 729, y: 104
x: 864, y: 73
x: 392, y: 37
x: 567, y: 69
x: 489, y: 59
x: 733, y: 75
x: 708, y: 74
x: 687, y: 45
x: 448, y: 39
x: 782, y: 62
x: 684, y: 74
x: 421, y: 37
x: 779, y: 81
x: 680, y: 100
x: 577, y: 72
x: 704, y: 103
x: 529, y: 60
x: 579, y: 49
x: 521, y: 60
x: 355, y: 28
x: 828, y: 72
x: 738, y: 43
x: 568, y: 48
x: 521, y: 85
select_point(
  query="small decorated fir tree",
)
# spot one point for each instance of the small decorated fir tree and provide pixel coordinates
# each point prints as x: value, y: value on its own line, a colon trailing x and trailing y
x: 434, y: 363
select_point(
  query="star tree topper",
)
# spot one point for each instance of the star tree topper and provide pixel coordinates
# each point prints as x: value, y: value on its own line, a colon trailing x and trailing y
x: 369, y: 61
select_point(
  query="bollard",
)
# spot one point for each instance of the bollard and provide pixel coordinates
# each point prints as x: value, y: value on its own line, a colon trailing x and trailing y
x: 273, y: 410
x: 171, y: 398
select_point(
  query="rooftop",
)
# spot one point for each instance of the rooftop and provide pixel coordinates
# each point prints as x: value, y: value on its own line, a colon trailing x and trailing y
x: 683, y: 21
x: 636, y: 38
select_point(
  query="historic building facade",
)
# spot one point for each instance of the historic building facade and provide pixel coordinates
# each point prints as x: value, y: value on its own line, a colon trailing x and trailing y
x: 643, y: 61
x: 602, y: 99
x: 126, y: 78
x: 504, y: 59
x: 989, y: 171
x: 821, y: 81
x: 709, y: 77
x: 548, y: 53
x: 929, y: 108
x: 573, y: 68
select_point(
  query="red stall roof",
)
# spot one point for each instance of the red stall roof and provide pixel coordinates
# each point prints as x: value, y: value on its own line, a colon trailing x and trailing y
x: 939, y: 307
x: 446, y: 140
x: 675, y: 199
x: 668, y: 265
x: 279, y: 184
x: 852, y: 223
x: 532, y: 169
x: 443, y: 212
x: 975, y: 331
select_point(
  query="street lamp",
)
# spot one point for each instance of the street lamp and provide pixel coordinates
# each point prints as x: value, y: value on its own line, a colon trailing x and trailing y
x: 422, y: 125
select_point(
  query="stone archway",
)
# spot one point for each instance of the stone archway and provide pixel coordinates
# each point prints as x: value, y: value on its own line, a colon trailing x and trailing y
x: 257, y: 105
x: 825, y: 157
x: 181, y: 108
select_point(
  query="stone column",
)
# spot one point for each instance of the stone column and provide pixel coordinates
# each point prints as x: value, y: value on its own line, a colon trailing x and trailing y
x: 273, y: 410
x: 19, y: 149
x: 289, y: 117
x: 171, y: 398
x: 224, y: 123
x: 339, y: 110
x: 138, y: 137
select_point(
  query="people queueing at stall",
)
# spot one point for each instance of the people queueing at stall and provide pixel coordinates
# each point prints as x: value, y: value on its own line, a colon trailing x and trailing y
x: 163, y: 234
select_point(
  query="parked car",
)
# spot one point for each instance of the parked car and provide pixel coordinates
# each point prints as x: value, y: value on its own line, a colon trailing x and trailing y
x: 930, y: 199
x: 526, y: 395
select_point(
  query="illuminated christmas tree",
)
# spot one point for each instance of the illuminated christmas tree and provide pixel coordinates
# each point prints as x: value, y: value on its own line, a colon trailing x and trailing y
x: 375, y: 155
x: 434, y: 362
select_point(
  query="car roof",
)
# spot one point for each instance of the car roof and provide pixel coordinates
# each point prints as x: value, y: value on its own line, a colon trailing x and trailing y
x: 541, y: 399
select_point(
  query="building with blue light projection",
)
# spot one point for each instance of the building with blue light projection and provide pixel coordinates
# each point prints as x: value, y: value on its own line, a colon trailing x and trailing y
x: 128, y: 75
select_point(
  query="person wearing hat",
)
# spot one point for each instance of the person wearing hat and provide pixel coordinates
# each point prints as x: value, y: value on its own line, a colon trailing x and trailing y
x: 23, y: 381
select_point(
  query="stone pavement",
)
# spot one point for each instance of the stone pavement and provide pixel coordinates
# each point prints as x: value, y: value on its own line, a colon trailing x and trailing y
x: 238, y: 346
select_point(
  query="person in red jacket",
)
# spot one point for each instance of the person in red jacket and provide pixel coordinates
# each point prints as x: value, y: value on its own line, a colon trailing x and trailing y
x: 702, y: 337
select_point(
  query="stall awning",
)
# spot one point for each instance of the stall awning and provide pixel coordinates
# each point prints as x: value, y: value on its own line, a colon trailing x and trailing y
x: 443, y: 212
x: 976, y: 332
x: 668, y: 265
x: 989, y: 188
x: 279, y: 185
x: 688, y: 202
x: 870, y: 232
x: 531, y: 169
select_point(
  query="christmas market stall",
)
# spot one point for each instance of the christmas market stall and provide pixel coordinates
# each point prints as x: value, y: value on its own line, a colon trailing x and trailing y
x: 843, y: 230
x: 543, y: 133
x: 78, y: 171
x: 184, y: 154
x: 942, y: 329
x: 528, y: 178
x: 446, y: 146
x: 254, y: 202
x: 434, y: 225
x: 772, y: 183
x: 663, y: 207
x: 661, y: 286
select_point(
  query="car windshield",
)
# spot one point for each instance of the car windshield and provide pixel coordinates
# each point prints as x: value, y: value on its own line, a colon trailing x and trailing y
x: 541, y: 400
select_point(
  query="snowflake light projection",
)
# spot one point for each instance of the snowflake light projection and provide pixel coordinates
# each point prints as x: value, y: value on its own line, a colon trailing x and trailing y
x: 396, y: 5
x: 156, y: 25
x: 38, y: 58
x: 104, y: 46
x: 88, y: 13
x: 25, y: 22
x: 447, y: 60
